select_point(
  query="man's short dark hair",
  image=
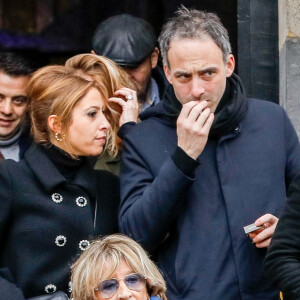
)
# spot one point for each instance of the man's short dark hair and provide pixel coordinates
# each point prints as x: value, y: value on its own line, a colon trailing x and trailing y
x: 194, y: 24
x: 16, y: 64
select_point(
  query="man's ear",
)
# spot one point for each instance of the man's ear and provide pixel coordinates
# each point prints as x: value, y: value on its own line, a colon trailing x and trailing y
x: 154, y: 58
x: 93, y: 52
x: 54, y: 124
x: 167, y: 73
x: 230, y: 65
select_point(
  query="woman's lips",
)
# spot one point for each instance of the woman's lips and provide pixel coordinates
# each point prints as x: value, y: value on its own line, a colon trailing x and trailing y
x: 101, y: 139
x: 6, y: 123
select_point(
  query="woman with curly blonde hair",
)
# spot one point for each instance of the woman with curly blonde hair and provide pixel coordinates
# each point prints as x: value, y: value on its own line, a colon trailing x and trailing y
x: 116, y: 267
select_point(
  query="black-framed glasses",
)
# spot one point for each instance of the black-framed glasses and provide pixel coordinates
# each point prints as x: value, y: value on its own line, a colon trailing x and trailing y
x: 135, y: 282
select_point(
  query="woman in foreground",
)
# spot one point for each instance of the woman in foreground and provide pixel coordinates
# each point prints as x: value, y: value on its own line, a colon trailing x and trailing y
x: 116, y: 267
x: 53, y: 203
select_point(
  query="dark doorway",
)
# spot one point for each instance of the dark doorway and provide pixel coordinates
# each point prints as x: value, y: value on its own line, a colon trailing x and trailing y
x: 76, y: 26
x: 62, y: 28
x: 258, y: 52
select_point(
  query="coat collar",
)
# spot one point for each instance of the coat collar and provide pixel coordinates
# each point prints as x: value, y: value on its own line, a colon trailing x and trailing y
x: 50, y: 177
x: 25, y: 140
x: 235, y: 132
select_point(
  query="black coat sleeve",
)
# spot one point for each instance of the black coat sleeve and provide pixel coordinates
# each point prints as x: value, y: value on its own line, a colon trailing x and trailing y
x: 125, y: 128
x: 9, y: 290
x: 149, y: 203
x: 282, y: 263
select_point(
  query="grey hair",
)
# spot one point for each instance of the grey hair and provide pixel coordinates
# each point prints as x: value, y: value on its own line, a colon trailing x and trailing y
x: 194, y: 24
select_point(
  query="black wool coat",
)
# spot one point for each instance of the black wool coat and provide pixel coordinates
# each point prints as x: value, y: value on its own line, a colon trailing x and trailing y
x: 282, y: 263
x: 46, y: 222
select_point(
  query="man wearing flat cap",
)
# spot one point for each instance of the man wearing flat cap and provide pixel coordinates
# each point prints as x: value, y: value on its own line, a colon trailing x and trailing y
x: 131, y: 43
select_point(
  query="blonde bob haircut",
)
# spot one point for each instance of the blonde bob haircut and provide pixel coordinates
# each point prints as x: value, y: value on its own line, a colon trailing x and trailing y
x: 55, y: 90
x: 104, y: 71
x: 104, y: 255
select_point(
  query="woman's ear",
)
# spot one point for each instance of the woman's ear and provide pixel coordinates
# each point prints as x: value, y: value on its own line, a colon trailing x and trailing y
x: 54, y: 123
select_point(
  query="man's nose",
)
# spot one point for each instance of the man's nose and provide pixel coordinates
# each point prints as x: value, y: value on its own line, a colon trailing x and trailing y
x: 6, y: 107
x: 123, y: 291
x: 197, y: 88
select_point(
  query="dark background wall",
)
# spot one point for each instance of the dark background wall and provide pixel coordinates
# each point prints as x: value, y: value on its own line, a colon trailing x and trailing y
x: 258, y: 52
x: 88, y: 14
x: 66, y: 26
x: 57, y: 29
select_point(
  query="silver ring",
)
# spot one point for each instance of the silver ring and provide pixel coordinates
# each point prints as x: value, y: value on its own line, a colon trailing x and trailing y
x: 129, y: 97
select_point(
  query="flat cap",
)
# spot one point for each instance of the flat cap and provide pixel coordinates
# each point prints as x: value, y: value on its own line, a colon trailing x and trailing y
x: 125, y: 39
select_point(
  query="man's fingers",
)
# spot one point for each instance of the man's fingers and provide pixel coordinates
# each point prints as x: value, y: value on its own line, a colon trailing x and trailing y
x: 187, y: 108
x: 209, y: 121
x: 197, y: 111
x: 263, y: 244
x: 263, y: 238
x: 201, y: 117
x: 265, y: 234
x: 265, y: 219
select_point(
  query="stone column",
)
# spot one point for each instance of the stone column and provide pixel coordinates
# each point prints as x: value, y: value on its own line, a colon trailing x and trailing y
x: 289, y: 58
x: 258, y: 58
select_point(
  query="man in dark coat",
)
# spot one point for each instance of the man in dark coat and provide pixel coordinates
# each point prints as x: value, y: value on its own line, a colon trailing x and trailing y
x: 15, y: 70
x: 205, y: 162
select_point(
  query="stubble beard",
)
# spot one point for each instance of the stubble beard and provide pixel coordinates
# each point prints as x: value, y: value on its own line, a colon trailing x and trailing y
x: 143, y: 93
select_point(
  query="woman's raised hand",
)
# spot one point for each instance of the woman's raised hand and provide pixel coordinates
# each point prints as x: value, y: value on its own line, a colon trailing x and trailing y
x: 127, y: 99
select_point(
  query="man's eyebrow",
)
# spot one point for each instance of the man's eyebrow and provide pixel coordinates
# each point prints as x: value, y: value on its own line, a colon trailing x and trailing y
x: 201, y: 71
x: 181, y: 72
x: 208, y: 69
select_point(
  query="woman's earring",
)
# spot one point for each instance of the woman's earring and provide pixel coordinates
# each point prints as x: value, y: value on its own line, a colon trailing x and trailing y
x: 59, y: 138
